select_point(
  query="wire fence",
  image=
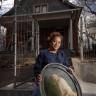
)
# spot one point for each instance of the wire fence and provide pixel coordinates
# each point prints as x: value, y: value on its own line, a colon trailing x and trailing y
x: 25, y: 54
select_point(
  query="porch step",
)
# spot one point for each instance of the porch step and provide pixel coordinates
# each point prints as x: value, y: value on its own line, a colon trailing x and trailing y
x: 15, y: 93
x: 23, y: 90
x: 88, y: 89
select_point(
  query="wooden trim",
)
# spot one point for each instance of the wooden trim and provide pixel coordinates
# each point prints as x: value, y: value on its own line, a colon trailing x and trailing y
x: 52, y: 16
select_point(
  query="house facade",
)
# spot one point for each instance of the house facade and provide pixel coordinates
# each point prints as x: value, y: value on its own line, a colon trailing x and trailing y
x: 41, y: 17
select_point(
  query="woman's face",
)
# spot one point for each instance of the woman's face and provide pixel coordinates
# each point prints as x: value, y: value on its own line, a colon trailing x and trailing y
x: 56, y: 43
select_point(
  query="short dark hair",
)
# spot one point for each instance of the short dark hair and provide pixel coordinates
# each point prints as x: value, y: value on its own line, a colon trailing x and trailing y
x: 53, y: 35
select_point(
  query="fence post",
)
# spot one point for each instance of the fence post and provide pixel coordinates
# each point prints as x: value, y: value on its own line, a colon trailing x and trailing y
x: 15, y: 41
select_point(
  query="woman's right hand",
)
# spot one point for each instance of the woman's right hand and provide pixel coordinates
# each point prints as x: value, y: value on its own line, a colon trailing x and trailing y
x: 38, y: 78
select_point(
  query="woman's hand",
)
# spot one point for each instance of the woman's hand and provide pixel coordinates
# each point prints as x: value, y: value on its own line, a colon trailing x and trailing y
x: 38, y: 78
x: 70, y: 69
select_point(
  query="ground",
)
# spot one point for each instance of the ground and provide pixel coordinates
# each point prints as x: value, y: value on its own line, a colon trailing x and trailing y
x: 7, y: 74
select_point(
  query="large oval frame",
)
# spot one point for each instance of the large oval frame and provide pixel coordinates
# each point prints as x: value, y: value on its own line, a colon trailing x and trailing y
x: 60, y: 69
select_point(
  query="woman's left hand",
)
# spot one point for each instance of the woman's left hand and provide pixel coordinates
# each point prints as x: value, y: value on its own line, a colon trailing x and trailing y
x: 70, y: 70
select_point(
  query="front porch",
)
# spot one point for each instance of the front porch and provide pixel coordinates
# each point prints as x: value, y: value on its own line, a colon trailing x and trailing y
x: 64, y: 22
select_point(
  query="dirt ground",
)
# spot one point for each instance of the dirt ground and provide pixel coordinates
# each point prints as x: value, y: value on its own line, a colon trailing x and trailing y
x: 7, y: 74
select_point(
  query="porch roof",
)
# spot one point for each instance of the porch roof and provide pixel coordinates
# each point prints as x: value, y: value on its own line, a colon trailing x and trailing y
x: 70, y: 13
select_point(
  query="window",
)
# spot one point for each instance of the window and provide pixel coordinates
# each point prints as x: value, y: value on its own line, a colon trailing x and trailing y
x: 40, y: 8
x: 44, y: 9
x: 3, y: 31
x: 37, y: 9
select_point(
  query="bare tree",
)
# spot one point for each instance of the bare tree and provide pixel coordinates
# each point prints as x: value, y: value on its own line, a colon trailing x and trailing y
x: 88, y: 3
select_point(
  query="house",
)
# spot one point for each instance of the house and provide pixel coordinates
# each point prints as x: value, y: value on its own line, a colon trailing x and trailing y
x: 27, y: 26
x: 35, y: 19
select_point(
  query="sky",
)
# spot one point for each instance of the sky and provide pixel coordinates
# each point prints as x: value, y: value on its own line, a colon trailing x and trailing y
x: 6, y: 6
x: 73, y: 1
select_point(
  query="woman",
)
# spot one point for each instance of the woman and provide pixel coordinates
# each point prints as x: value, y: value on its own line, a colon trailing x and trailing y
x: 50, y: 55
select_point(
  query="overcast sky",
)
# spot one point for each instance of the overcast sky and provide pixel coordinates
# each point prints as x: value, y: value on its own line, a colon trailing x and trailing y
x: 6, y: 6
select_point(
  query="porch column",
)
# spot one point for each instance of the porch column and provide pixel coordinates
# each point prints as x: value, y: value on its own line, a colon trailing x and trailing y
x: 37, y: 38
x: 81, y: 38
x: 70, y: 35
x: 33, y: 35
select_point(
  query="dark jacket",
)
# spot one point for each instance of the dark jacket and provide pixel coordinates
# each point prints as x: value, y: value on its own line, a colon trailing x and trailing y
x: 45, y: 57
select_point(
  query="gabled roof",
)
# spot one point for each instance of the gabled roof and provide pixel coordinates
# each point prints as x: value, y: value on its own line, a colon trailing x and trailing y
x: 26, y: 6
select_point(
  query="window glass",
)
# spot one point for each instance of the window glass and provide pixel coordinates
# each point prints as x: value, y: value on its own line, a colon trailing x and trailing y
x: 37, y: 9
x: 41, y: 9
x: 44, y: 8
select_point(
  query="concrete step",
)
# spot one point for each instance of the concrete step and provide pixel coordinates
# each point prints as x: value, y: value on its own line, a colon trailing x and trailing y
x: 87, y: 88
x: 23, y: 90
x: 86, y: 69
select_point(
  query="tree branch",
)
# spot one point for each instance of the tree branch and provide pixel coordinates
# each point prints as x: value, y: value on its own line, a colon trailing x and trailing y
x: 87, y: 5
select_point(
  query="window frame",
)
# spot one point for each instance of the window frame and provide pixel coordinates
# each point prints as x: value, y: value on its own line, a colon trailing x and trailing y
x: 41, y: 8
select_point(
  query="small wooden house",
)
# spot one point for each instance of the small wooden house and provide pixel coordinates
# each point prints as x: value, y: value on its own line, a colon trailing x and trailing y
x: 40, y: 17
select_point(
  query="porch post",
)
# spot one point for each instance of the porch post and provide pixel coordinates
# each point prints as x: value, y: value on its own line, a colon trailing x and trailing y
x: 70, y: 35
x: 15, y: 45
x: 32, y: 46
x: 81, y: 39
x: 37, y: 38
